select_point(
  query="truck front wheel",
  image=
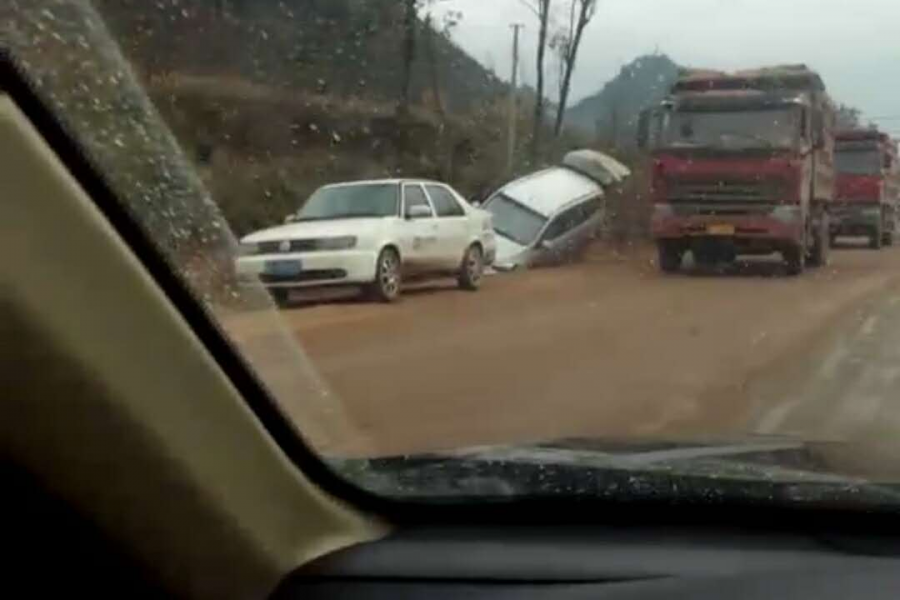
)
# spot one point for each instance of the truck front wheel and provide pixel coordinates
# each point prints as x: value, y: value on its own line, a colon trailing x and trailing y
x: 818, y: 256
x: 876, y: 238
x: 670, y: 256
x: 795, y: 259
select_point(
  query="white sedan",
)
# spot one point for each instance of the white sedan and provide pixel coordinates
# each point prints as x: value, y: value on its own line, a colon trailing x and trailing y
x: 372, y: 234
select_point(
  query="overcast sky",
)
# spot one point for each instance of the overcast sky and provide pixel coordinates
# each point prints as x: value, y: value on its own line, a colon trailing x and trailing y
x: 854, y: 44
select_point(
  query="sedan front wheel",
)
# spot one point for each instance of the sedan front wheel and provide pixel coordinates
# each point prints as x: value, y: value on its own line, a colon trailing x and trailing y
x: 472, y: 269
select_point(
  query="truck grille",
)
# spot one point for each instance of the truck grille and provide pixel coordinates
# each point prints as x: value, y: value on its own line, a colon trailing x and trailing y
x: 723, y: 192
x: 721, y: 209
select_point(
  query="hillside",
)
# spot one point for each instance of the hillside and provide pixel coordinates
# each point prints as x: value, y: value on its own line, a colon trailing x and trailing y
x: 273, y: 98
x: 612, y: 114
x: 348, y: 48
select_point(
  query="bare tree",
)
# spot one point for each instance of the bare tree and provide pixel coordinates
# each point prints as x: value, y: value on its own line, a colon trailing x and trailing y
x: 410, y: 20
x: 541, y: 9
x: 848, y: 117
x: 435, y: 31
x: 581, y: 12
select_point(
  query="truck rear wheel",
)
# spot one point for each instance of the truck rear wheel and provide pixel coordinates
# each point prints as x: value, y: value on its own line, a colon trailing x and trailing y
x: 670, y: 256
x: 705, y: 258
x: 795, y: 259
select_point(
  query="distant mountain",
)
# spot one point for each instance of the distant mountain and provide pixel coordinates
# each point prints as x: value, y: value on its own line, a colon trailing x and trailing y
x: 611, y: 115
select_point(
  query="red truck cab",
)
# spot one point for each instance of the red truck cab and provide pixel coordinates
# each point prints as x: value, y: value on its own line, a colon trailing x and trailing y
x: 743, y: 164
x: 868, y: 187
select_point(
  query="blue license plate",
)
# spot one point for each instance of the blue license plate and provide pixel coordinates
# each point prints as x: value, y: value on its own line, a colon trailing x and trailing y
x: 283, y: 268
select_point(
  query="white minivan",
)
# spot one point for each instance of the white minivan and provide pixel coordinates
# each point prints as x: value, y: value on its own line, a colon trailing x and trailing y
x: 545, y: 218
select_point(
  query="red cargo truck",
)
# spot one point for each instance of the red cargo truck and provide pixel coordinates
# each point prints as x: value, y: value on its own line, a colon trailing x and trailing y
x: 868, y: 187
x: 743, y: 164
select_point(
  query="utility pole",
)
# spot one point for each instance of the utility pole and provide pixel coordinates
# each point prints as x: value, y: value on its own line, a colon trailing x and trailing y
x: 513, y: 99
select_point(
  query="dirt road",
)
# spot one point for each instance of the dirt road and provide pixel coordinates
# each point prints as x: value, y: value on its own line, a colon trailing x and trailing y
x: 607, y: 348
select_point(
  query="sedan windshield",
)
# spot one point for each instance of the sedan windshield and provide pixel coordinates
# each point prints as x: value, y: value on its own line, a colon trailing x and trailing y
x: 514, y: 221
x: 775, y: 128
x: 352, y: 202
x: 864, y: 162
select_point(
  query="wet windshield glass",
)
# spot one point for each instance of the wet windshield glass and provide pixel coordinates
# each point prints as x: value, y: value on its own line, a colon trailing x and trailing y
x: 513, y: 221
x: 858, y: 162
x: 352, y: 201
x: 734, y: 129
x: 715, y: 320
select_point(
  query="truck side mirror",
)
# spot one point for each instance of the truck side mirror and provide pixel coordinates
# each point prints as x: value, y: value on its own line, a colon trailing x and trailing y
x: 888, y: 161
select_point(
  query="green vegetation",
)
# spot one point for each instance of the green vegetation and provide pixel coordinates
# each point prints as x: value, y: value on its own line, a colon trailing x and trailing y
x: 271, y: 99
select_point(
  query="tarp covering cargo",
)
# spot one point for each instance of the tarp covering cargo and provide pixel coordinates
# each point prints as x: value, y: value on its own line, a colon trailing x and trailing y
x: 600, y: 167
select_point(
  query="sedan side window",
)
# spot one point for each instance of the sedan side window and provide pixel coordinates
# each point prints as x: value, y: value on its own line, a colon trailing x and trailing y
x: 414, y: 196
x: 444, y: 202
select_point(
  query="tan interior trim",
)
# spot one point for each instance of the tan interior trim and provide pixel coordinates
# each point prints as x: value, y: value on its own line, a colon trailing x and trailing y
x: 112, y: 401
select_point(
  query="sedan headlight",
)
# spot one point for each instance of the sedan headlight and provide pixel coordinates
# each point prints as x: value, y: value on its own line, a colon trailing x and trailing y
x: 248, y: 249
x: 337, y: 243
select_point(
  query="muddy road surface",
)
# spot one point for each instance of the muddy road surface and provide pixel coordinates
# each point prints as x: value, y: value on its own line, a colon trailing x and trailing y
x: 611, y: 348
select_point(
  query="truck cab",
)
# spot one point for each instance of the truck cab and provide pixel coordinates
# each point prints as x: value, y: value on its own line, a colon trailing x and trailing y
x: 743, y: 164
x: 868, y: 187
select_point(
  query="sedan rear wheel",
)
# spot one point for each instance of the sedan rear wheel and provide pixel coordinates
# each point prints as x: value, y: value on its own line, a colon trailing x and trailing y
x: 472, y: 269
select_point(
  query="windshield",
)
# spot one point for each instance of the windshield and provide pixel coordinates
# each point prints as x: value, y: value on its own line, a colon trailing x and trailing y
x: 858, y: 162
x: 703, y: 318
x: 352, y: 202
x: 513, y: 221
x: 777, y: 128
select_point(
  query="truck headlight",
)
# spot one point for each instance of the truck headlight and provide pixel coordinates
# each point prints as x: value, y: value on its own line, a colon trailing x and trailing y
x: 337, y: 243
x: 663, y: 211
x: 787, y: 213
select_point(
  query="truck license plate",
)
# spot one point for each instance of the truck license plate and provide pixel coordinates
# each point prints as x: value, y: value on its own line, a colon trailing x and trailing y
x: 720, y: 230
x: 283, y: 268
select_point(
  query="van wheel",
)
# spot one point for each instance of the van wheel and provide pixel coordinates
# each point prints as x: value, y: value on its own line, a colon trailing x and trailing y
x: 472, y: 269
x: 795, y: 259
x: 670, y: 257
x: 281, y: 296
x: 388, y: 278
